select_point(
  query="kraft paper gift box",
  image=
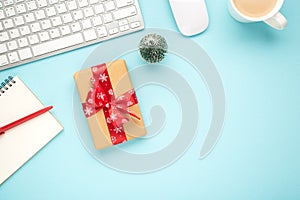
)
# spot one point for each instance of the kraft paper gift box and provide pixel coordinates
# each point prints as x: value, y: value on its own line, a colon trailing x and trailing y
x: 109, y: 103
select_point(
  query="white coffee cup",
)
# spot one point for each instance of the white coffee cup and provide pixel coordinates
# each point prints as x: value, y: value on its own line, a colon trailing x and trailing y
x: 273, y: 18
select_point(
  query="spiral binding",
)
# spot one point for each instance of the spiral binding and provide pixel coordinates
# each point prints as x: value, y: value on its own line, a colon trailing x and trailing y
x: 6, y: 84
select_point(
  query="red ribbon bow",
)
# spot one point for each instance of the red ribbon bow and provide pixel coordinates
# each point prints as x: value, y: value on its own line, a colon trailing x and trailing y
x: 101, y: 96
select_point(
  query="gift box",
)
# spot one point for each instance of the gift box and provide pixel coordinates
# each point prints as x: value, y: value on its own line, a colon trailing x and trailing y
x: 110, y: 104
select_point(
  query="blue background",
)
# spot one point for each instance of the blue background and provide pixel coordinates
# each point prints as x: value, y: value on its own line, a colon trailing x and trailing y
x: 257, y: 156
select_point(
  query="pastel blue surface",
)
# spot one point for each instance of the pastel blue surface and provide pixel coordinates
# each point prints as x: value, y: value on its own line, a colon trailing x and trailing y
x: 257, y: 156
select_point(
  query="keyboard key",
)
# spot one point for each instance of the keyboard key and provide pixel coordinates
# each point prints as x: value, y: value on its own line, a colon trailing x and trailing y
x: 97, y: 21
x: 61, y: 43
x: 109, y: 6
x: 113, y: 31
x: 46, y: 24
x: 42, y: 3
x: 82, y: 3
x: 90, y: 35
x: 29, y: 17
x: 14, y: 33
x: 50, y: 11
x: 8, y: 2
x: 8, y: 23
x: 93, y: 1
x: 23, y: 42
x: 77, y: 15
x: 125, y: 12
x: 61, y: 8
x: 75, y: 27
x: 56, y: 21
x: 3, y: 60
x: 53, y: 1
x: 88, y: 12
x: 135, y: 24
x: 24, y: 30
x: 44, y: 36
x: 40, y: 14
x: 2, y: 16
x: 99, y: 9
x: 19, y: 20
x: 31, y: 5
x: 3, y: 48
x: 10, y: 12
x: 12, y: 45
x: 123, y: 3
x: 33, y: 39
x: 67, y: 18
x: 123, y: 22
x: 124, y: 28
x: 54, y: 33
x: 86, y: 24
x: 102, y: 32
x: 65, y: 30
x: 72, y: 5
x: 4, y: 36
x: 35, y: 27
x: 20, y: 8
x: 107, y: 18
x: 13, y: 57
x: 25, y: 53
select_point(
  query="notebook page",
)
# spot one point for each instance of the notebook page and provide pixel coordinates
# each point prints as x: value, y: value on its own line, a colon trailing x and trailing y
x: 19, y: 144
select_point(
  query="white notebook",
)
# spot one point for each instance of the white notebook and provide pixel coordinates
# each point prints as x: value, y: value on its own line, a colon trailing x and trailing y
x: 20, y: 143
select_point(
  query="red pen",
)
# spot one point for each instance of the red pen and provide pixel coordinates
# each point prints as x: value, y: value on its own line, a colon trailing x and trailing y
x: 24, y: 119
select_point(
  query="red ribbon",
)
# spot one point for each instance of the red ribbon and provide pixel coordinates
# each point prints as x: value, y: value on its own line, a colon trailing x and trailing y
x: 101, y: 96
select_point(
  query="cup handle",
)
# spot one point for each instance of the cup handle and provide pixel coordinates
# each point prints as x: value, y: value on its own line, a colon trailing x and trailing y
x: 278, y: 21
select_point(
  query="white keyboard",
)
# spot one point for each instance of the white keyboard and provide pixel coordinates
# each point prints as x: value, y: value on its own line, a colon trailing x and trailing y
x: 31, y: 30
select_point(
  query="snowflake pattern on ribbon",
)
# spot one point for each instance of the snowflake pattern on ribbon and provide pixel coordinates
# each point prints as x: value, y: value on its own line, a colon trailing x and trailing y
x: 90, y: 101
x: 118, y: 129
x: 88, y: 111
x: 111, y: 92
x: 103, y: 78
x: 113, y: 117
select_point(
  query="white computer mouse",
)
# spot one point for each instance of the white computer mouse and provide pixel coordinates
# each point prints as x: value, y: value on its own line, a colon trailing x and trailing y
x: 190, y: 15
